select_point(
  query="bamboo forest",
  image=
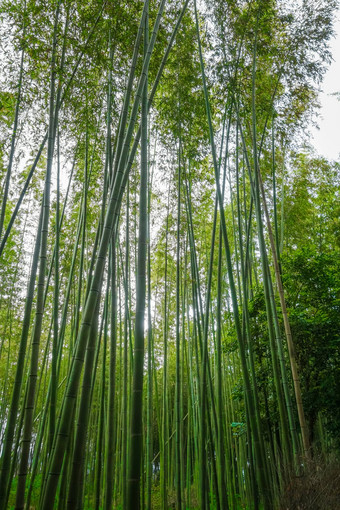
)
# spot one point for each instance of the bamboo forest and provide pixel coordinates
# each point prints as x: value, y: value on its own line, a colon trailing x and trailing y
x: 169, y: 256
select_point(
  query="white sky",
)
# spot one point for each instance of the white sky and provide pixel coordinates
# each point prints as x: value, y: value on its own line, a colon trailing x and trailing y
x: 326, y: 140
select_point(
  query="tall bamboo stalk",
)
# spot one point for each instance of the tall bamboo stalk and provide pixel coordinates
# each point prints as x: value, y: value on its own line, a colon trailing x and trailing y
x: 135, y: 454
x: 30, y: 402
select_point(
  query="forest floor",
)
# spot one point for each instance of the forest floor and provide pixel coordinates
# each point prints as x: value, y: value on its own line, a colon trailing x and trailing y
x: 317, y: 489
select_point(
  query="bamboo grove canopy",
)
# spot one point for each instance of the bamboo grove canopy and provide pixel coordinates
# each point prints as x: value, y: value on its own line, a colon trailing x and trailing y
x: 169, y: 253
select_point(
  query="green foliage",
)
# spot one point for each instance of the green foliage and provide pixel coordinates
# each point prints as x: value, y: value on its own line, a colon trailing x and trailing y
x: 7, y: 107
x: 311, y: 203
x: 313, y: 288
x: 242, y: 443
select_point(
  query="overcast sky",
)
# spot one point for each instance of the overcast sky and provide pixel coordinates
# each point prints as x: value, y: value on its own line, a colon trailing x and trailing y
x: 326, y: 140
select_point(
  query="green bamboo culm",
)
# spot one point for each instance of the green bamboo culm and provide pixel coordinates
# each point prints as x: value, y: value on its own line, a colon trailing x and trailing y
x: 61, y: 438
x: 262, y: 471
x: 14, y: 133
x: 143, y: 362
x: 30, y: 400
x: 178, y: 449
x: 136, y: 435
x: 5, y: 480
x: 61, y: 96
